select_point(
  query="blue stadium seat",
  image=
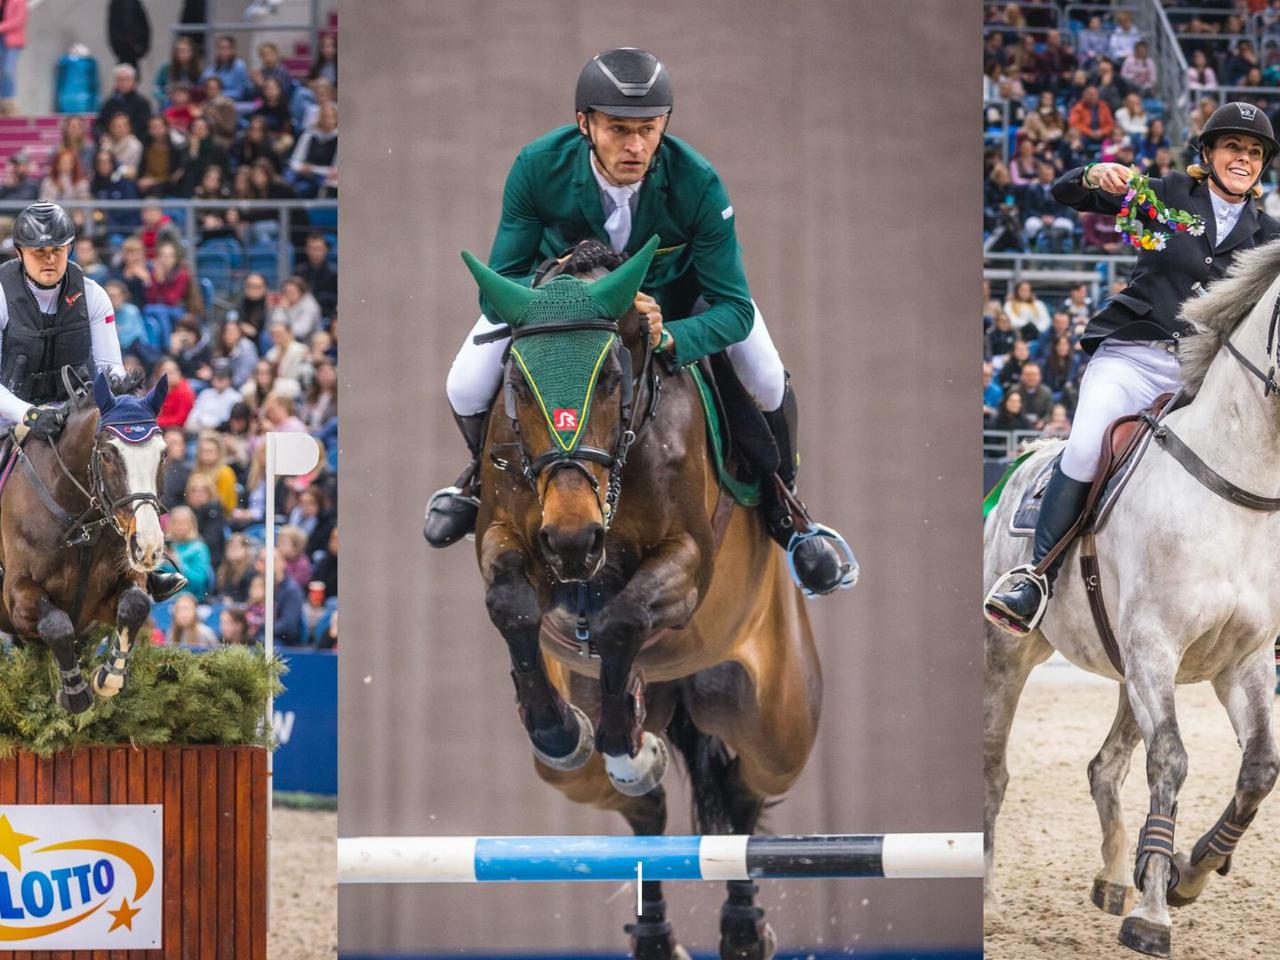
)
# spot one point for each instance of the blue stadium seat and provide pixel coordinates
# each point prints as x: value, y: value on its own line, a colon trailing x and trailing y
x: 263, y: 259
x: 326, y: 217
x: 162, y: 613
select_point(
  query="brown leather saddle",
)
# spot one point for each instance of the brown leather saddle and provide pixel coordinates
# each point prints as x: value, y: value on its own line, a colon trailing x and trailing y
x: 1124, y: 443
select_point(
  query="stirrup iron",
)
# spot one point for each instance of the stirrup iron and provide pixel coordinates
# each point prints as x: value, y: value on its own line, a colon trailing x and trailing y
x: 850, y: 568
x: 993, y: 613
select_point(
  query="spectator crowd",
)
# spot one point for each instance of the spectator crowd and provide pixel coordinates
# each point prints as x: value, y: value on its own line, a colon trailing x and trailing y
x: 1060, y: 93
x: 252, y: 353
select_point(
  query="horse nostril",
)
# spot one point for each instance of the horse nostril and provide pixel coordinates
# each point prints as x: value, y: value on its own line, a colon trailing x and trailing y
x: 597, y: 541
x: 544, y: 540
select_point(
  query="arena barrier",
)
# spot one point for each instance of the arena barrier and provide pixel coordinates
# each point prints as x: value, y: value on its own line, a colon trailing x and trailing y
x: 120, y: 849
x: 556, y: 859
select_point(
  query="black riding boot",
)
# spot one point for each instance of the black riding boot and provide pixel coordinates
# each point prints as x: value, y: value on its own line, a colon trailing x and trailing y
x: 451, y: 511
x: 1059, y: 508
x: 162, y: 586
x: 818, y: 564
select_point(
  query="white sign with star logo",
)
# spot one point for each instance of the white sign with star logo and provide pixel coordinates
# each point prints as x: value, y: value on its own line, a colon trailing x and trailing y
x: 81, y: 876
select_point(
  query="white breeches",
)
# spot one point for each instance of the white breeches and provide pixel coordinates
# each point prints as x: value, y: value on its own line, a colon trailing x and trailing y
x: 1122, y: 378
x: 476, y: 373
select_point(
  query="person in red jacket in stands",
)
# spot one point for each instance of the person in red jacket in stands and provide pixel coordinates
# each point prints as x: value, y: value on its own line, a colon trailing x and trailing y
x: 180, y: 399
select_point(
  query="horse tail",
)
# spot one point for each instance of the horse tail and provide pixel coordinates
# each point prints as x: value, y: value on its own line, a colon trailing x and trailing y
x: 721, y: 802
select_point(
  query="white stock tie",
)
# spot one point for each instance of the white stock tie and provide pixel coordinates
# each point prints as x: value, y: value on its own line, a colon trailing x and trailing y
x: 618, y: 225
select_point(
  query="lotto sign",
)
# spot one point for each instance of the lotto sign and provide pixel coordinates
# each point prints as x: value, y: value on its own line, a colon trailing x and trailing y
x: 81, y: 876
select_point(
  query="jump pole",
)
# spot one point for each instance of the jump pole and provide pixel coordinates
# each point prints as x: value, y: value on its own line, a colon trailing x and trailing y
x: 610, y: 858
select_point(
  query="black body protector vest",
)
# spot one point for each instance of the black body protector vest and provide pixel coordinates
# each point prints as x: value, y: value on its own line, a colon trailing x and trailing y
x: 36, y: 346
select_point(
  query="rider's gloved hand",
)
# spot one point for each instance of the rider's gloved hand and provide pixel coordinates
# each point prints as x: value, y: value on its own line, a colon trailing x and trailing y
x: 43, y: 422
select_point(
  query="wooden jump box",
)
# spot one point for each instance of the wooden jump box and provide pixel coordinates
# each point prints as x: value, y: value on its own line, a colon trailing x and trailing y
x: 215, y: 837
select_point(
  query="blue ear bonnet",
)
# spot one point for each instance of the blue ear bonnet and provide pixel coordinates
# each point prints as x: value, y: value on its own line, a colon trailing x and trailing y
x: 132, y: 419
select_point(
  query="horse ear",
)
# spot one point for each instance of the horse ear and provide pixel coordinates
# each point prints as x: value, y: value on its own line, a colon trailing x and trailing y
x: 509, y: 299
x: 616, y: 292
x: 155, y: 399
x: 102, y: 394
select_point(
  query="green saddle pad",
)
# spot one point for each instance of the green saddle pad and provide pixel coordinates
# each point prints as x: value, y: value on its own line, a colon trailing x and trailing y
x: 744, y: 492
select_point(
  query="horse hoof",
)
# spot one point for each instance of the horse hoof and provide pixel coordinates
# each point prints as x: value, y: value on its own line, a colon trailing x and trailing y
x: 106, y: 684
x: 77, y: 702
x: 1113, y: 898
x: 580, y: 754
x: 1138, y: 933
x: 636, y: 776
x: 761, y: 949
x: 1191, y: 882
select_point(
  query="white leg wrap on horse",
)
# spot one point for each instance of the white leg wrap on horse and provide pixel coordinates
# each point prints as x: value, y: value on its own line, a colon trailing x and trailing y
x: 1121, y: 378
x: 636, y: 776
x: 476, y: 372
x: 756, y: 362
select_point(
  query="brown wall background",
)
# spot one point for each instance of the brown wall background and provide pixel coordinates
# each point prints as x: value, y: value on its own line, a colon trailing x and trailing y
x: 843, y: 132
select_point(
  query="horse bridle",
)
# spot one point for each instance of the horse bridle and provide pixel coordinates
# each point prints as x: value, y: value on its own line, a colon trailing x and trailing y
x: 1186, y: 457
x: 555, y: 458
x: 101, y: 509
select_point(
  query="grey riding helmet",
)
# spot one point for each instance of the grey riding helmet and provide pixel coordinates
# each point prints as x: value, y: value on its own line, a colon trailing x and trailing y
x: 624, y: 82
x: 1242, y: 118
x: 43, y: 225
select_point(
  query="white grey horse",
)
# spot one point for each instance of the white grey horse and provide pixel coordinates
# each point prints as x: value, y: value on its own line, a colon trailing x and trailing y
x: 1192, y: 587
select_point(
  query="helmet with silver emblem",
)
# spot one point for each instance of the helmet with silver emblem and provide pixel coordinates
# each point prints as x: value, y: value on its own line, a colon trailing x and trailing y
x: 1243, y: 118
x: 43, y: 225
x: 624, y: 82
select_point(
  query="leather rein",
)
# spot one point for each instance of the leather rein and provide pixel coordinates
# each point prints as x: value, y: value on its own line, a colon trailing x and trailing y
x: 84, y: 528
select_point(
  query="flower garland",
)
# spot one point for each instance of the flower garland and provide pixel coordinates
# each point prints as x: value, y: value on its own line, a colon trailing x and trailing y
x: 1141, y: 199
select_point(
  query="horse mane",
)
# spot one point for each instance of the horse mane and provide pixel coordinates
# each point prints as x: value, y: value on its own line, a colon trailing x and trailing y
x: 1217, y: 314
x: 590, y: 255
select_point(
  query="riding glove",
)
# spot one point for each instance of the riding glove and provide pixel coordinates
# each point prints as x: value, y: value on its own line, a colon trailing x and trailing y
x: 44, y: 422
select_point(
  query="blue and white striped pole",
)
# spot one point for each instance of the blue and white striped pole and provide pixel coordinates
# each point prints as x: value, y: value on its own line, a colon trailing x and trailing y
x: 560, y: 859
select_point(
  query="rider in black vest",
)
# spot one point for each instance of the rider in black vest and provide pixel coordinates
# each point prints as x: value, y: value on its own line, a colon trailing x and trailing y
x: 35, y: 345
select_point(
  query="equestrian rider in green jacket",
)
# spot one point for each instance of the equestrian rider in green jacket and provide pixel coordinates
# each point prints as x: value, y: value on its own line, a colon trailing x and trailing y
x: 617, y: 176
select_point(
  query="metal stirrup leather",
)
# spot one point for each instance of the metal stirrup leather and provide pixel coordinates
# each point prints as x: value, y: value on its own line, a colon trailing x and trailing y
x: 849, y: 565
x: 1029, y: 572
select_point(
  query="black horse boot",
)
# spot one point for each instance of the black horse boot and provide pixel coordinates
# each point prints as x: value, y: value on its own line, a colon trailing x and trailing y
x: 1020, y: 608
x: 451, y: 511
x: 814, y: 554
x: 162, y: 586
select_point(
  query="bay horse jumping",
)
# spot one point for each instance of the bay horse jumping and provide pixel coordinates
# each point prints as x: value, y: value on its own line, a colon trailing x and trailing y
x: 1191, y: 576
x: 80, y: 530
x: 629, y: 587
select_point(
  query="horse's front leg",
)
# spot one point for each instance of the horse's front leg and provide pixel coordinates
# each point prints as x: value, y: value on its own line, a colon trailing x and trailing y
x: 560, y: 733
x: 1150, y: 684
x: 34, y: 615
x: 1245, y: 691
x: 131, y: 613
x: 662, y: 593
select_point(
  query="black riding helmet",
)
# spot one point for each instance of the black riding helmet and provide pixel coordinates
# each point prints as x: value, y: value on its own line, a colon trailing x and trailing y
x: 624, y: 82
x: 1242, y: 118
x: 43, y: 225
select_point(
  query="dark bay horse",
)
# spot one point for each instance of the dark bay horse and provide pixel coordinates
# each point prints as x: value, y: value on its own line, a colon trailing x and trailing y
x: 80, y: 530
x: 630, y: 589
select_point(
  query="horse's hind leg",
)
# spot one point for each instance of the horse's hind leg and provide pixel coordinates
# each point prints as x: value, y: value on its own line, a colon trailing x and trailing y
x: 1246, y: 693
x: 1112, y: 890
x: 131, y: 613
x: 34, y: 614
x: 1009, y: 661
x: 1150, y: 683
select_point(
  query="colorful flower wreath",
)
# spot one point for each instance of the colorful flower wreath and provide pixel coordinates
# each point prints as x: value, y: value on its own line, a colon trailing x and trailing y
x: 1141, y: 199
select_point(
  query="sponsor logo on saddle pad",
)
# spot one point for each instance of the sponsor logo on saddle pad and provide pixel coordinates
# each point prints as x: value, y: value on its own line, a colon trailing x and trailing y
x: 564, y: 419
x: 81, y: 876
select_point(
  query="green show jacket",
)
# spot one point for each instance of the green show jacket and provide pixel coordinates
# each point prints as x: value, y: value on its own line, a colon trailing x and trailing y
x: 552, y: 201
